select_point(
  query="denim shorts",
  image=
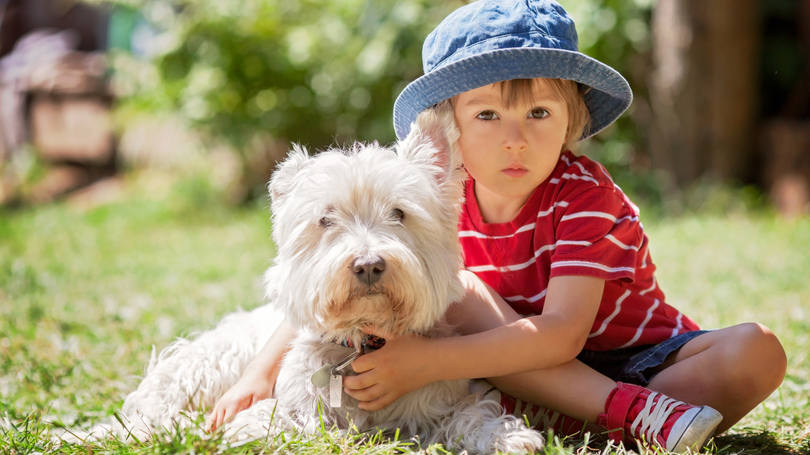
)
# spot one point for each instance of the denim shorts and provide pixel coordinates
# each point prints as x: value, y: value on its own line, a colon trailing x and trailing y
x: 638, y: 364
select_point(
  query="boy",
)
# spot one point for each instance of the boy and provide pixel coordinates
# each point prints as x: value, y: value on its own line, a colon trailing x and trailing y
x: 562, y: 307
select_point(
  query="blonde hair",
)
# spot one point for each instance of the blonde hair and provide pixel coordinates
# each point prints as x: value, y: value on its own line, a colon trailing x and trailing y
x: 516, y: 91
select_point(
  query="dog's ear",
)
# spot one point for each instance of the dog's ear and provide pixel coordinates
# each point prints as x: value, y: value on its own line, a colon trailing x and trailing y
x: 433, y: 138
x: 283, y: 178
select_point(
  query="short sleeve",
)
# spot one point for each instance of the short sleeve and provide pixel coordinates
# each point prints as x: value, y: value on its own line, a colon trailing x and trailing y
x: 598, y: 234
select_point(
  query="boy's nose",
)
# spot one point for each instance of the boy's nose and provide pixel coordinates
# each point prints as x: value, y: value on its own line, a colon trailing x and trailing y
x: 514, y: 140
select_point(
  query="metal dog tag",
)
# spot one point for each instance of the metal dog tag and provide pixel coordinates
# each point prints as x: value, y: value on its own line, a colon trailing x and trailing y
x: 321, y: 377
x: 335, y: 390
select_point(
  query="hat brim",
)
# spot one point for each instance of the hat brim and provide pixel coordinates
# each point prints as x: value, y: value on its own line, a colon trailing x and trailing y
x: 609, y: 97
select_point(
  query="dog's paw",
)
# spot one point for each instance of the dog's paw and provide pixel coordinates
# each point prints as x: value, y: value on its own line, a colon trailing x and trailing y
x: 522, y: 440
x: 253, y: 423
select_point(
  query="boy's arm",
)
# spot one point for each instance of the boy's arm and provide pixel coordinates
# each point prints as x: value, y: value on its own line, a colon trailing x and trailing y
x: 257, y: 381
x: 525, y: 344
x: 516, y: 344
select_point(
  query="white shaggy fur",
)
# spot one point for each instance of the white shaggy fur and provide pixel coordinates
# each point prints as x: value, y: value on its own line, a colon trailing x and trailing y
x: 329, y: 211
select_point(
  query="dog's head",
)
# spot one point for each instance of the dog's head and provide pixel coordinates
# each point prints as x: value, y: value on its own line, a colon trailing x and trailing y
x: 367, y: 235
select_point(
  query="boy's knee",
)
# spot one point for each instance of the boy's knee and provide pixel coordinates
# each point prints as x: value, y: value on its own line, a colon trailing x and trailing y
x: 759, y: 341
x: 758, y: 348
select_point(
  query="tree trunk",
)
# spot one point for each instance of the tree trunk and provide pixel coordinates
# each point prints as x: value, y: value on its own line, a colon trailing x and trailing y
x: 703, y: 89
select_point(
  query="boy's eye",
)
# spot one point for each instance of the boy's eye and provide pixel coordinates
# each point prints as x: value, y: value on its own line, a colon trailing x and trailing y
x: 487, y: 115
x: 538, y: 113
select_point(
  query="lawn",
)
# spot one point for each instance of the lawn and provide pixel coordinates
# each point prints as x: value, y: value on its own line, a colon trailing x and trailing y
x: 86, y: 292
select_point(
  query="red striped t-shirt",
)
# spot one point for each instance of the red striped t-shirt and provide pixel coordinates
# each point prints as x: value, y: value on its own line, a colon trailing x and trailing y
x: 577, y: 222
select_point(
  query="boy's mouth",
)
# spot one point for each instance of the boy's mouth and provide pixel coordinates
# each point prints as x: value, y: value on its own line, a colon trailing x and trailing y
x: 515, y: 171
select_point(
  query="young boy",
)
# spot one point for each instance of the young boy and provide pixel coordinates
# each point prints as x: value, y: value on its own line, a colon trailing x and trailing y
x: 562, y: 308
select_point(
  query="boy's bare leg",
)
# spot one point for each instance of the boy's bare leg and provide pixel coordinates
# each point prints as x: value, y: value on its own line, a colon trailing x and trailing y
x: 732, y: 370
x: 573, y: 388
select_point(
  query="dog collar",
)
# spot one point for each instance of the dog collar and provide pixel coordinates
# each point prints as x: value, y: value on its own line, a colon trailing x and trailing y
x: 370, y: 343
x: 321, y: 378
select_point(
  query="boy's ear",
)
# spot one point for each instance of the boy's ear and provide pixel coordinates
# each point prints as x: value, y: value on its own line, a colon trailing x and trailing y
x: 432, y: 139
x: 283, y: 178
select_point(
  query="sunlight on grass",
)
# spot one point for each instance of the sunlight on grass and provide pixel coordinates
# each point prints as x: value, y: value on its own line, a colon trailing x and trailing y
x: 725, y: 270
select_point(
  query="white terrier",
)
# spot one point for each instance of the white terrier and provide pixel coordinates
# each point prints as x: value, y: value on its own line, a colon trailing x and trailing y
x: 366, y: 237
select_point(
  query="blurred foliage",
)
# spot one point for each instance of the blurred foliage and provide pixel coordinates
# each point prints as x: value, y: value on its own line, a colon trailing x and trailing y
x: 320, y: 72
x: 314, y: 71
x: 307, y: 71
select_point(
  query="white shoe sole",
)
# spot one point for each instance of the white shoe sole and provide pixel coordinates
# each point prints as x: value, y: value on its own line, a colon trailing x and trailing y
x: 693, y: 429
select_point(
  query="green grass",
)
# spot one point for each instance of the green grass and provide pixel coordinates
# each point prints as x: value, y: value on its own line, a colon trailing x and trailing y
x: 86, y: 293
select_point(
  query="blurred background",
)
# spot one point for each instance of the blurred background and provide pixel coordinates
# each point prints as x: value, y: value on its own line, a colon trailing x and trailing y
x: 92, y: 91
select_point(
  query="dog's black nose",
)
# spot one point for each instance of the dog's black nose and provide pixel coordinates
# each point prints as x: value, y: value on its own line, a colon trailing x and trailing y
x: 368, y: 269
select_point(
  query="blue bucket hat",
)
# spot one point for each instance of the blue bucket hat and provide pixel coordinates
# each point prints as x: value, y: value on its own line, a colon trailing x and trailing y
x: 490, y: 41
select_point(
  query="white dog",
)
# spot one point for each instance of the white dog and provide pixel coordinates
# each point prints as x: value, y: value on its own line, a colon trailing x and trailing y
x: 365, y: 237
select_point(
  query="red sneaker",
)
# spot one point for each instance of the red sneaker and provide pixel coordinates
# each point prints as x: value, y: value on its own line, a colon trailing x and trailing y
x: 655, y: 418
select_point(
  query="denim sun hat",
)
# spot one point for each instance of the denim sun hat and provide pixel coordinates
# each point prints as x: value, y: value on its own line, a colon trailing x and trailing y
x: 490, y: 41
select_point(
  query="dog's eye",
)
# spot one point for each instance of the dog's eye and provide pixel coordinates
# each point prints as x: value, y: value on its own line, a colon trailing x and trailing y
x: 398, y: 215
x: 325, y: 222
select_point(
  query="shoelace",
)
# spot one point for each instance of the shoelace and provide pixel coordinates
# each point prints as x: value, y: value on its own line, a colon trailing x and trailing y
x: 539, y: 414
x: 654, y: 415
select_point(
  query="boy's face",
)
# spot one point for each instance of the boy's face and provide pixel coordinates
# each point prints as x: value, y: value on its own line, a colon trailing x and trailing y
x: 509, y: 150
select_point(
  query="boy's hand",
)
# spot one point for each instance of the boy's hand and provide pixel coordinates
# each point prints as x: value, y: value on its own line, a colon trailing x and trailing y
x: 389, y: 372
x: 250, y: 389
